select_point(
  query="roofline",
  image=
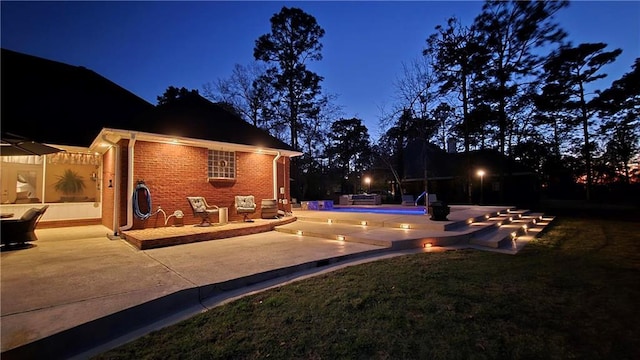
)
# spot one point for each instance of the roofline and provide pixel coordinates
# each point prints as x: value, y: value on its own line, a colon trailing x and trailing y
x: 114, y: 135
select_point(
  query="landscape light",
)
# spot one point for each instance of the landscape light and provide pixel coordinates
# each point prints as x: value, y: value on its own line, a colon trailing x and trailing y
x: 481, y: 174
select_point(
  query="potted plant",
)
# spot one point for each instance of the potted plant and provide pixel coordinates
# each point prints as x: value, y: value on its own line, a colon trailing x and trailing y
x: 69, y: 183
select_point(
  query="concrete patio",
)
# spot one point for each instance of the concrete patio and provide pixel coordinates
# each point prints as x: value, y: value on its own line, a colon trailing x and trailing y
x: 77, y: 293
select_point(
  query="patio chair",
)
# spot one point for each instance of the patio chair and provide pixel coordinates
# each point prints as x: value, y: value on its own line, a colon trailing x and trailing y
x: 17, y: 232
x: 202, y: 210
x: 245, y: 205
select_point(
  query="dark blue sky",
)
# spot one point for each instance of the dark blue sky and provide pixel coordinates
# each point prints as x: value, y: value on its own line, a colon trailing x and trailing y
x: 147, y: 46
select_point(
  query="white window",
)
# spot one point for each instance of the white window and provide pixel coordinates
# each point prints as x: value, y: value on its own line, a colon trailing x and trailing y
x: 222, y: 164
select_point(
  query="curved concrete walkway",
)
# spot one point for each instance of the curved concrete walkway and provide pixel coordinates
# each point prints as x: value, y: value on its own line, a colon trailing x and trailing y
x: 76, y: 288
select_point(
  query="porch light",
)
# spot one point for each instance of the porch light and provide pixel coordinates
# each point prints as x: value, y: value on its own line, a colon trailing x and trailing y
x: 510, y: 218
x: 363, y: 223
x: 513, y: 235
x: 470, y: 221
x: 427, y: 245
x: 486, y: 216
x: 405, y: 226
x: 499, y: 223
x: 534, y: 221
x: 524, y: 227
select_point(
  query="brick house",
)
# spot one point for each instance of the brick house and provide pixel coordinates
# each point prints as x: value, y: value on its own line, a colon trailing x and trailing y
x: 192, y: 147
x: 112, y: 139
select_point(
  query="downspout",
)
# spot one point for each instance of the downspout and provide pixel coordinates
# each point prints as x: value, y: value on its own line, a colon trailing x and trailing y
x: 275, y: 176
x: 116, y: 185
x: 129, y: 225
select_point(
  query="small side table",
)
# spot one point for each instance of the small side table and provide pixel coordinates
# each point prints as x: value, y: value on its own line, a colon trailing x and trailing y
x: 223, y: 215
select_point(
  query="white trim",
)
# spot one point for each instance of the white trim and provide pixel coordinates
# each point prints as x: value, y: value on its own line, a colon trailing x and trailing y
x: 167, y: 139
x: 115, y: 184
x: 129, y: 225
x: 275, y: 176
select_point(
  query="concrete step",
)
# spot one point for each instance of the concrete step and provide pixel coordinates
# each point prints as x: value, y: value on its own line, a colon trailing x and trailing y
x: 490, y: 231
x: 510, y: 228
x: 393, y: 238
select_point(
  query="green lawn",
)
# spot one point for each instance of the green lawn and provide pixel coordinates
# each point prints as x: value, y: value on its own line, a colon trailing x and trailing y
x: 573, y: 293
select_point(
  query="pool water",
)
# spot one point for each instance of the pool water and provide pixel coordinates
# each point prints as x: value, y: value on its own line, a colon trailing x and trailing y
x: 419, y: 210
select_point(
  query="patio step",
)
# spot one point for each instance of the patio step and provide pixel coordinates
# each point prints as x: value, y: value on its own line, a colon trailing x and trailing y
x: 506, y: 230
x: 510, y: 229
x: 331, y: 231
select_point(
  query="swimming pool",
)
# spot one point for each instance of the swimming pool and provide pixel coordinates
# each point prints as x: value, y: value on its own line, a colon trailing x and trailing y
x: 418, y: 210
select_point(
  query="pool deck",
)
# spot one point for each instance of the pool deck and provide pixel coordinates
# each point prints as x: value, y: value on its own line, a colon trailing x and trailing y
x: 496, y: 228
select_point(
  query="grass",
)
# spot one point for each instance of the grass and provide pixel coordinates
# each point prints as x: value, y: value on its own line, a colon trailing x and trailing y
x: 573, y: 293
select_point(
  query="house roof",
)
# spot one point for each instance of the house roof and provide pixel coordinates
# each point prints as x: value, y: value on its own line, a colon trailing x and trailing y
x: 195, y: 117
x: 62, y: 104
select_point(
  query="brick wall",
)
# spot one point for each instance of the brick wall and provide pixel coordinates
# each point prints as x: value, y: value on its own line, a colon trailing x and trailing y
x: 173, y: 172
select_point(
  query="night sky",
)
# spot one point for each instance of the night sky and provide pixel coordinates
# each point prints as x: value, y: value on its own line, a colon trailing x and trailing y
x: 147, y: 46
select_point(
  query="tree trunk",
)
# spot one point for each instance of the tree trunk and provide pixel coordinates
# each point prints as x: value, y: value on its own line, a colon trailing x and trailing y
x: 587, y: 151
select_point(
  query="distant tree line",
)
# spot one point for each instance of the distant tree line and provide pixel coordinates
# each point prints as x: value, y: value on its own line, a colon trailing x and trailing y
x: 509, y: 81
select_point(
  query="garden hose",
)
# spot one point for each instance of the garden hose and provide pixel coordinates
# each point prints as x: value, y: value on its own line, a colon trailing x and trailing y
x: 136, y: 207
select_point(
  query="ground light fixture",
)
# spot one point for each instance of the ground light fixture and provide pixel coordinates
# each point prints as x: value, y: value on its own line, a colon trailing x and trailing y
x: 363, y: 223
x: 340, y: 237
x: 299, y: 232
x: 405, y: 226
